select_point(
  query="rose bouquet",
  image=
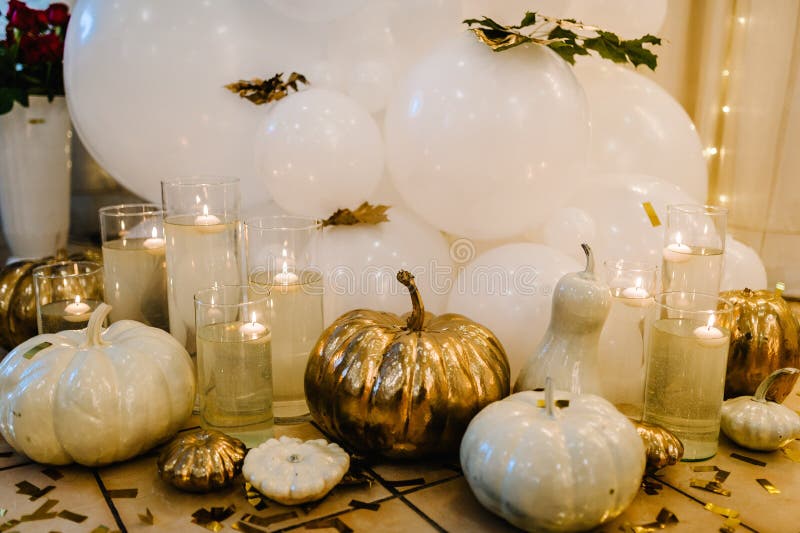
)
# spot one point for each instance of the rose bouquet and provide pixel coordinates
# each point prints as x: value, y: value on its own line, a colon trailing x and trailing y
x: 31, y: 55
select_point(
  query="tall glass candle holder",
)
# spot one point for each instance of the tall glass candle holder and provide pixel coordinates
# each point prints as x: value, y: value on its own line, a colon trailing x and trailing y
x: 201, y: 219
x: 282, y: 254
x: 134, y: 263
x: 234, y: 362
x: 66, y: 294
x: 694, y: 244
x: 621, y: 350
x: 687, y: 354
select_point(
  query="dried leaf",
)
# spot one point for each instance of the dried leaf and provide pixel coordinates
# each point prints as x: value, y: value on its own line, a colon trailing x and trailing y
x: 366, y: 213
x: 261, y: 91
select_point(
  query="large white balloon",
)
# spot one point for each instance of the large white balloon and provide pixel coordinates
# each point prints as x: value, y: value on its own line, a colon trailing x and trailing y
x: 637, y: 127
x: 630, y: 19
x: 511, y: 11
x: 509, y: 289
x: 611, y: 207
x: 319, y: 151
x: 361, y: 263
x: 743, y: 268
x: 484, y: 144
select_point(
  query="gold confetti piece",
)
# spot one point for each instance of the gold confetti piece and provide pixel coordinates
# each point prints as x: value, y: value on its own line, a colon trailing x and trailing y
x: 123, y: 493
x: 323, y: 523
x: 627, y: 527
x: 213, y: 526
x: 710, y: 486
x: 651, y: 214
x: 8, y: 525
x: 29, y: 489
x: 722, y: 511
x: 769, y: 487
x: 73, y: 517
x: 747, y: 459
x: 721, y: 476
x: 245, y: 527
x: 705, y: 468
x: 265, y: 521
x: 665, y: 517
x: 561, y: 404
x: 147, y: 517
x: 52, y: 473
x: 36, y: 349
x: 41, y: 513
x: 792, y: 454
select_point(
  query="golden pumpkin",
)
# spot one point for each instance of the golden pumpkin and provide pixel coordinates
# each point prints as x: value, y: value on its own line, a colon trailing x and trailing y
x: 17, y: 298
x: 765, y: 336
x: 662, y: 448
x: 201, y: 461
x: 403, y: 386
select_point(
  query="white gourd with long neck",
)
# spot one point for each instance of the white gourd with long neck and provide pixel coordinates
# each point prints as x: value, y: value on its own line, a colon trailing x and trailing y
x: 568, y: 351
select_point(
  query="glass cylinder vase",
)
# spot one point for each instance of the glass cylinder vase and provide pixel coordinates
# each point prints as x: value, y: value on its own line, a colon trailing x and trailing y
x: 66, y: 294
x: 201, y: 227
x: 694, y: 246
x: 687, y: 354
x: 134, y: 263
x: 621, y: 348
x: 282, y: 260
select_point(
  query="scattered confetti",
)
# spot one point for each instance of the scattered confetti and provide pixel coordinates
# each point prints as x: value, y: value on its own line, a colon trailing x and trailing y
x: 29, y: 489
x: 358, y: 504
x: 651, y: 214
x: 245, y: 527
x: 722, y: 511
x: 792, y: 454
x: 721, y: 476
x: 730, y: 525
x: 627, y: 527
x: 255, y: 498
x: 8, y: 525
x: 705, y: 468
x: 651, y: 487
x: 335, y: 523
x: 123, y: 493
x: 265, y: 521
x: 211, y: 519
x: 561, y: 404
x: 710, y: 486
x: 41, y: 513
x: 406, y: 482
x: 72, y: 517
x: 666, y: 517
x: 769, y: 487
x: 52, y: 473
x: 147, y: 517
x: 36, y: 349
x: 100, y: 529
x: 748, y: 459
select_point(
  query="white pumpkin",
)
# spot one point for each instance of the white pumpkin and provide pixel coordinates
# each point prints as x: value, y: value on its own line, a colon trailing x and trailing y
x: 545, y: 468
x: 95, y: 397
x: 292, y: 471
x: 758, y: 424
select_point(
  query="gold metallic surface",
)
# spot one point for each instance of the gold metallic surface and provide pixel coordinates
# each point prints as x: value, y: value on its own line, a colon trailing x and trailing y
x: 403, y: 386
x: 765, y: 336
x: 201, y: 461
x: 662, y: 447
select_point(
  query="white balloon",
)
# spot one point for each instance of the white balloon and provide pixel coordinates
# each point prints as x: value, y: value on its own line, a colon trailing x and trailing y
x: 743, y: 268
x: 484, y: 144
x: 319, y: 151
x: 509, y: 290
x: 630, y: 19
x: 511, y: 11
x: 637, y: 127
x: 565, y: 230
x: 613, y: 205
x: 361, y: 263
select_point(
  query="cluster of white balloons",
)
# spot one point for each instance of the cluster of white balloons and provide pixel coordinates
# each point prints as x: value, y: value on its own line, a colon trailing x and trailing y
x: 495, y: 149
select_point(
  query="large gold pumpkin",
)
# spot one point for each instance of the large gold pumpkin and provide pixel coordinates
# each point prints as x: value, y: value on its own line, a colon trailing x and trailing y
x: 17, y: 298
x: 765, y: 336
x: 403, y: 386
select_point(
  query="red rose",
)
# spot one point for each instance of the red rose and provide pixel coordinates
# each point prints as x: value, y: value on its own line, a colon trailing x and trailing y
x: 23, y: 18
x: 45, y: 49
x: 58, y: 14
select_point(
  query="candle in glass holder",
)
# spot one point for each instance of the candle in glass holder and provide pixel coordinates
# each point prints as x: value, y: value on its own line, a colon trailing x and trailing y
x: 693, y: 253
x: 66, y: 294
x: 135, y: 264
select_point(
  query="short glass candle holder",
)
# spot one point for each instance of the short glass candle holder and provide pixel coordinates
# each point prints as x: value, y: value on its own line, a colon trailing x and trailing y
x: 234, y: 362
x: 282, y: 259
x: 687, y: 354
x: 621, y: 348
x: 134, y: 263
x: 694, y: 246
x: 201, y: 227
x: 66, y: 294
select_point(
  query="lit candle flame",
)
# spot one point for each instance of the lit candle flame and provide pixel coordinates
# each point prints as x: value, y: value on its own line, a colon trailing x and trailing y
x: 285, y: 268
x: 205, y: 210
x: 154, y: 233
x: 710, y: 322
x: 77, y: 299
x: 638, y: 283
x: 678, y: 238
x: 253, y: 318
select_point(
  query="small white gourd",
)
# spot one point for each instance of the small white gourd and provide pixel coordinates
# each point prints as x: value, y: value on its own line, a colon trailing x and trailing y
x: 759, y: 424
x: 292, y: 471
x: 548, y: 468
x: 568, y: 351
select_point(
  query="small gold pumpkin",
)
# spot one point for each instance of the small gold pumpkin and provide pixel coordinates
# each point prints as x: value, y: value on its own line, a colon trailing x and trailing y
x: 201, y: 461
x: 403, y: 386
x: 661, y: 446
x: 765, y: 336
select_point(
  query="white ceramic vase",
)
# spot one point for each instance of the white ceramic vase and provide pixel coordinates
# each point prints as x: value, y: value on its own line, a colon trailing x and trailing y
x: 35, y: 176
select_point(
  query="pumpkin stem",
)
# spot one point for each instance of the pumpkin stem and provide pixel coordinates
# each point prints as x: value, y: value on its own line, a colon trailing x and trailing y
x: 549, y: 404
x: 589, y: 258
x: 95, y: 327
x: 763, y: 388
x: 417, y: 317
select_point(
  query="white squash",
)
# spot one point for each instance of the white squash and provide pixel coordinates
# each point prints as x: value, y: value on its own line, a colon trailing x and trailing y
x: 291, y: 471
x: 758, y: 424
x: 545, y: 468
x: 94, y: 397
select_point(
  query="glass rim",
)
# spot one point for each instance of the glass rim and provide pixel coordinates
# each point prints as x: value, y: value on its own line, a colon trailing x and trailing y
x: 117, y: 210
x: 199, y: 181
x: 728, y: 306
x: 95, y: 268
x: 257, y: 222
x: 698, y: 209
x: 631, y: 265
x: 198, y: 301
